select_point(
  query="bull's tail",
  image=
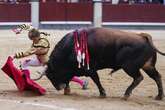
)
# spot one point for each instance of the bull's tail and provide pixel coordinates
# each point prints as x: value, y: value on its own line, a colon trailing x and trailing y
x: 149, y: 39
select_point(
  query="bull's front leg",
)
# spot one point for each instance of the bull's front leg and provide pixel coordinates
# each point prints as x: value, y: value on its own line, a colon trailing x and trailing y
x: 67, y: 89
x: 94, y: 76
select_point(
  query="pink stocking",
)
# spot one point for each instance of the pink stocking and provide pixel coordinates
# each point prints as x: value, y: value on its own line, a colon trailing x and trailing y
x: 78, y: 80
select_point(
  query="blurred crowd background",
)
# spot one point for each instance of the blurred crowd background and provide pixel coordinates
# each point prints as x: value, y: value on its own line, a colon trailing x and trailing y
x: 75, y: 1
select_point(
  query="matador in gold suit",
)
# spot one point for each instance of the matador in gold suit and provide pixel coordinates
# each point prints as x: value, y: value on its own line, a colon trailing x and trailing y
x: 40, y: 47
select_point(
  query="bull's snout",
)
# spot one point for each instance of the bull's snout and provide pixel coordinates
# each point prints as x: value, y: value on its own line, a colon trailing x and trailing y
x: 61, y: 86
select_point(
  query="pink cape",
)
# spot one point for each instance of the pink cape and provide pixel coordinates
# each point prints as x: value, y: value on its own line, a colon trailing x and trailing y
x: 21, y: 79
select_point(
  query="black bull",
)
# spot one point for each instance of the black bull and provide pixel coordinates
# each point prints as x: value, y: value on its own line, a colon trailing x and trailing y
x: 108, y: 48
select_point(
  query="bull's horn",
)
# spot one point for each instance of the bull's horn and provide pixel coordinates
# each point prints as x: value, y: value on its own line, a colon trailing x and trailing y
x: 41, y: 75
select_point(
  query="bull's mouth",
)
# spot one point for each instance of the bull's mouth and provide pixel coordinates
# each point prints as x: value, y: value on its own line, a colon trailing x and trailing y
x: 61, y: 86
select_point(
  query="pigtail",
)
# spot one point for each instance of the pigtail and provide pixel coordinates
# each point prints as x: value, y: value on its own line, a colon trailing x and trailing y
x: 45, y: 33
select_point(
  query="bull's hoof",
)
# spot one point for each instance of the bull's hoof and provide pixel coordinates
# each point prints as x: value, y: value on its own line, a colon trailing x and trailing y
x: 103, y: 95
x: 159, y: 97
x: 125, y: 97
x: 67, y: 91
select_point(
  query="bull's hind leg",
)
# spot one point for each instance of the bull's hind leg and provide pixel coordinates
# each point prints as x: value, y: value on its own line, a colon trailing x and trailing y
x: 150, y: 69
x: 137, y: 78
x: 94, y: 76
x: 154, y: 74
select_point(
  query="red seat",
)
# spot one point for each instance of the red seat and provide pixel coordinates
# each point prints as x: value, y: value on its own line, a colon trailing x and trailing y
x: 21, y: 78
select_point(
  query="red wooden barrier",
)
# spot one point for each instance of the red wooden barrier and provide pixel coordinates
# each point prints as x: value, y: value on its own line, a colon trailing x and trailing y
x: 133, y: 13
x: 53, y: 11
x: 15, y: 12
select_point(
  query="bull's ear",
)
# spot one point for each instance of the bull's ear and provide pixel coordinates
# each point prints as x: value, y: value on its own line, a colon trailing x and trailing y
x: 47, y: 69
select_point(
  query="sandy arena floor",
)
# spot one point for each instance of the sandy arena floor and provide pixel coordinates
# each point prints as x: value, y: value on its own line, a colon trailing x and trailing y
x: 115, y: 86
